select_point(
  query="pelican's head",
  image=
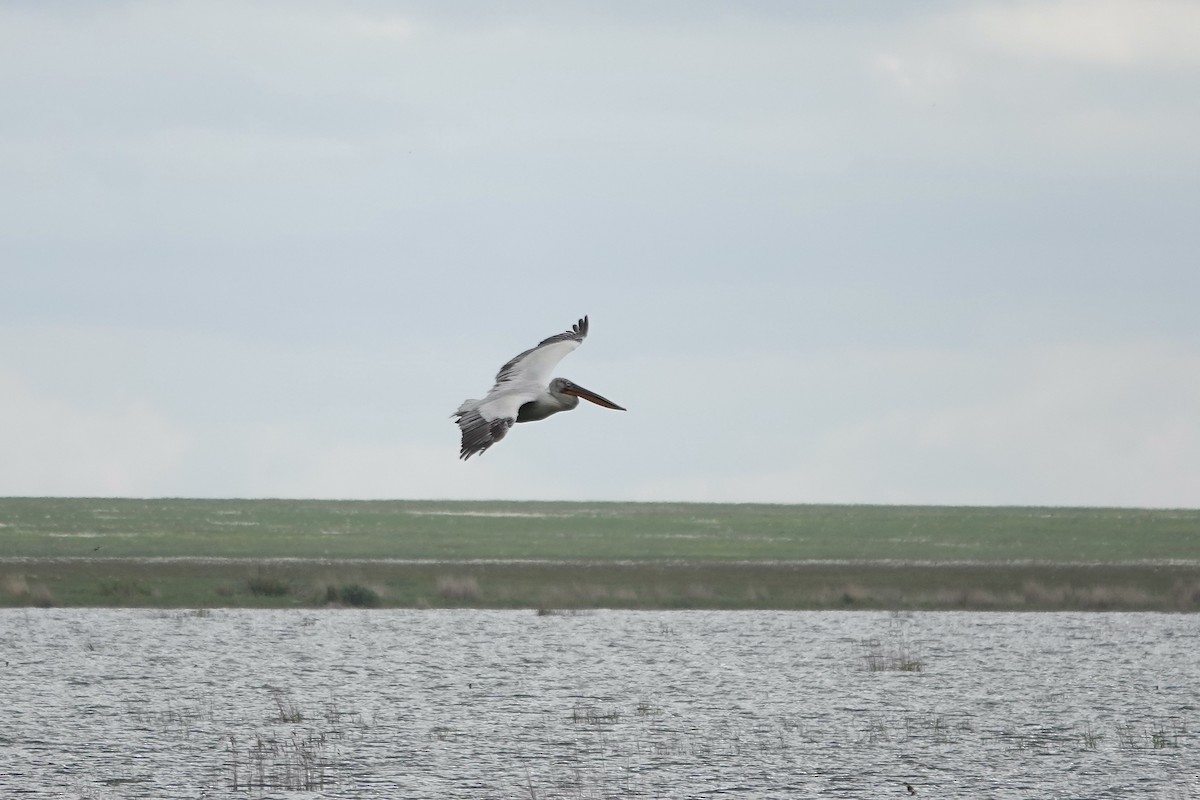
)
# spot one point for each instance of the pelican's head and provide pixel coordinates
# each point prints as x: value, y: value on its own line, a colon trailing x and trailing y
x: 564, y: 386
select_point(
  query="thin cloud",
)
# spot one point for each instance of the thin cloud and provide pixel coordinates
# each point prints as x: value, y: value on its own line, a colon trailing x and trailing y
x: 1102, y: 32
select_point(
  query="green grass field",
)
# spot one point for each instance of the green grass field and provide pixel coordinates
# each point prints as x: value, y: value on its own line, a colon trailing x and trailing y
x: 112, y: 552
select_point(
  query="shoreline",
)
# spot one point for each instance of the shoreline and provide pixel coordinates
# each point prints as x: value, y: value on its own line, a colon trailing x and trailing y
x: 180, y: 553
x: 566, y: 585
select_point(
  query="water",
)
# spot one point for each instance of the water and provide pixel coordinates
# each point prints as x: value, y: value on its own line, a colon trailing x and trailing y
x: 493, y: 704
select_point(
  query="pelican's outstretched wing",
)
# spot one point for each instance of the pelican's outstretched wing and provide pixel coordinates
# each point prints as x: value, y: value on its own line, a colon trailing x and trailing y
x: 485, y: 422
x: 480, y: 433
x: 523, y: 379
x: 536, y: 363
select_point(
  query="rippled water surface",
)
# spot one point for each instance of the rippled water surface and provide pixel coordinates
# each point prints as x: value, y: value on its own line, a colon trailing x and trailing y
x: 482, y: 704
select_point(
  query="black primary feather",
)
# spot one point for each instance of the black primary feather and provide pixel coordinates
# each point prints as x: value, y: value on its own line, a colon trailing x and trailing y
x: 478, y: 434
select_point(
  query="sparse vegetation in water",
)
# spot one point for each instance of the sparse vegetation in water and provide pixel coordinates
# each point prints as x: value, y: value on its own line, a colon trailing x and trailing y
x: 645, y: 708
x: 1164, y: 734
x: 300, y: 760
x: 175, y: 716
x: 1127, y: 738
x: 1155, y: 736
x: 1160, y: 737
x: 294, y: 752
x: 874, y: 730
x: 441, y: 733
x: 1091, y: 737
x: 891, y: 655
x: 286, y: 709
x: 936, y: 726
x: 586, y: 714
x: 337, y: 716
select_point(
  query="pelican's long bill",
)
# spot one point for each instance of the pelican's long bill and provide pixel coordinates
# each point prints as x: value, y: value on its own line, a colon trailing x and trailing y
x: 587, y: 394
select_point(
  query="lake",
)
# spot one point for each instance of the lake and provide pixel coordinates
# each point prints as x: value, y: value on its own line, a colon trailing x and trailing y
x: 652, y: 704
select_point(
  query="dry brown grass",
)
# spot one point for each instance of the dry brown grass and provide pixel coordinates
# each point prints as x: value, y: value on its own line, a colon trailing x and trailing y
x: 459, y: 588
x: 15, y: 585
x: 1186, y: 596
x: 20, y: 589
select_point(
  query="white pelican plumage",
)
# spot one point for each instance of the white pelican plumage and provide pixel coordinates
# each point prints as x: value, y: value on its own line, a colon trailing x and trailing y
x: 524, y: 392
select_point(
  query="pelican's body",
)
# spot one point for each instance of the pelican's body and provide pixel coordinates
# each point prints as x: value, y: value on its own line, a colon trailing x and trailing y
x: 524, y: 392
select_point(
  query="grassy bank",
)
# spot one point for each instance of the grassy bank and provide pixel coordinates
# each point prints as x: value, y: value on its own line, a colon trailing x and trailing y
x: 201, y: 553
x: 579, y: 585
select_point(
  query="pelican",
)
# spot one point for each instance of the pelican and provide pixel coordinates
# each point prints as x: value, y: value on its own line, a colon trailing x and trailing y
x: 524, y: 392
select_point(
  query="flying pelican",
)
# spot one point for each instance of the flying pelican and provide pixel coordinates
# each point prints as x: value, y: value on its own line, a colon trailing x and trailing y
x: 524, y: 392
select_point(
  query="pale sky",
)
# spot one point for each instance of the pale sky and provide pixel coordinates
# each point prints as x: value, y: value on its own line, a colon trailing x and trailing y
x: 876, y: 252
